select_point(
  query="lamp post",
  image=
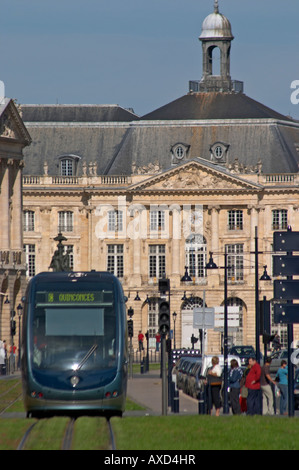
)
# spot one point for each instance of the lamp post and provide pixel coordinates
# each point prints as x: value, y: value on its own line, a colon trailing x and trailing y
x: 212, y: 265
x: 264, y: 277
x: 131, y: 333
x: 174, y: 315
x: 20, y: 311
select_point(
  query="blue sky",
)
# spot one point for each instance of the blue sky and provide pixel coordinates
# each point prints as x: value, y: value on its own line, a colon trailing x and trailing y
x: 142, y: 53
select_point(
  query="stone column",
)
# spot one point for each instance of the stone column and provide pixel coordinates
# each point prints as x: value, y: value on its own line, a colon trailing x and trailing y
x: 16, y: 223
x: 5, y: 207
x: 176, y: 245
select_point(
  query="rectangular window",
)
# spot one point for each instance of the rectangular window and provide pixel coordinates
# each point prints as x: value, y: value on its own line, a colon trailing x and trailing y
x: 157, y: 220
x: 235, y: 220
x: 69, y: 249
x: 157, y: 261
x: 28, y: 221
x: 65, y: 221
x: 67, y: 167
x: 279, y: 219
x: 115, y: 221
x: 30, y: 260
x: 115, y: 260
x: 235, y: 262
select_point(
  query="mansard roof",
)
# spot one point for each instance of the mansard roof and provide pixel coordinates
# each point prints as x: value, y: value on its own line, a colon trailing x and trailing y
x: 77, y: 113
x: 121, y: 143
x: 214, y: 105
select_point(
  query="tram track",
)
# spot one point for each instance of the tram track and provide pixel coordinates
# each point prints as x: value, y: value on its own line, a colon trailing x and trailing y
x: 68, y: 435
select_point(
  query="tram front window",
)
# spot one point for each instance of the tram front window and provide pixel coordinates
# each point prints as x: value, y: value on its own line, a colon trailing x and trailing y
x: 70, y: 335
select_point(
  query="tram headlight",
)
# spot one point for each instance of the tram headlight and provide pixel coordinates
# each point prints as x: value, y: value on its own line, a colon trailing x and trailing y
x: 74, y: 380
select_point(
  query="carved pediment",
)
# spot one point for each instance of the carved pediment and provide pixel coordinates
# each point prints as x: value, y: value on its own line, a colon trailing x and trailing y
x: 11, y: 124
x: 196, y: 176
x: 8, y: 127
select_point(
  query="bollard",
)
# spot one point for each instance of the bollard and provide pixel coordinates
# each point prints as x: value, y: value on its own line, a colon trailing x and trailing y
x: 176, y: 401
x: 141, y: 367
x: 201, y: 403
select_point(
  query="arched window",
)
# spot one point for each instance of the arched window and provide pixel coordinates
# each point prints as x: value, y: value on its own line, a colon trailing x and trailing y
x: 196, y: 255
x: 214, y: 53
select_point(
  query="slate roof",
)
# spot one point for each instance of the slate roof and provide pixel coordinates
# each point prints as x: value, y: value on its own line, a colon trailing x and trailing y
x: 77, y: 113
x: 214, y: 105
x: 120, y: 142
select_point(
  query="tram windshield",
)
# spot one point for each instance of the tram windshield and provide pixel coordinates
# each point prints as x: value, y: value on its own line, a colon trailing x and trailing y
x: 74, y: 326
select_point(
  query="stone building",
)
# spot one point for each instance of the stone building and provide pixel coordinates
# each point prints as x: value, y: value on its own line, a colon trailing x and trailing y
x: 145, y: 197
x: 13, y: 139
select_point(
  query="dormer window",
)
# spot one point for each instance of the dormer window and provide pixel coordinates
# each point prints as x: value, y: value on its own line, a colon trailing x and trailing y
x: 68, y: 165
x: 179, y: 152
x: 219, y: 152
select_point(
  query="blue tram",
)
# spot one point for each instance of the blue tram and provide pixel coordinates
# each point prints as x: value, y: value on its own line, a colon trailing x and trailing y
x: 74, y: 344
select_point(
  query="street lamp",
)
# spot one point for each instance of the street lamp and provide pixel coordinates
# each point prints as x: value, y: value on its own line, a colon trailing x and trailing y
x: 186, y: 277
x: 174, y: 315
x: 137, y: 297
x: 212, y: 265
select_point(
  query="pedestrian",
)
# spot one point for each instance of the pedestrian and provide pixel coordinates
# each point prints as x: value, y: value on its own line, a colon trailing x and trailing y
x: 282, y: 379
x: 140, y: 340
x: 244, y: 390
x: 253, y: 385
x: 2, y: 357
x: 267, y: 392
x: 276, y: 343
x: 215, y: 382
x: 158, y: 341
x: 234, y: 383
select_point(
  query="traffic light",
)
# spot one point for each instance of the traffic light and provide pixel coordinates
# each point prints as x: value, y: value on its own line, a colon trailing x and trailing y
x: 130, y: 329
x: 164, y: 316
x: 12, y: 327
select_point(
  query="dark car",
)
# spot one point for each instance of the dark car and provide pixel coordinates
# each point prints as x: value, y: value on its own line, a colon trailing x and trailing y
x: 244, y: 353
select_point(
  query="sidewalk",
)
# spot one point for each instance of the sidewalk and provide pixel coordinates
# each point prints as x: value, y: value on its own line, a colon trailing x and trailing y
x: 146, y: 390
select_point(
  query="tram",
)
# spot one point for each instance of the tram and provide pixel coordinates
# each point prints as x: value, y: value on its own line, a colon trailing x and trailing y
x: 74, y: 345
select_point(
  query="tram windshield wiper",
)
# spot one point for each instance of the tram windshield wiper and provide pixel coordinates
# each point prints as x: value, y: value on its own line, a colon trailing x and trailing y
x: 87, y: 356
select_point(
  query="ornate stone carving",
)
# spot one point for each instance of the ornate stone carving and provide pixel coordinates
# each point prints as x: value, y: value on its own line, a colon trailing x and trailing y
x: 150, y: 169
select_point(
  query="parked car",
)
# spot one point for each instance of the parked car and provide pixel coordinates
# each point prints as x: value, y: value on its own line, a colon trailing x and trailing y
x: 207, y: 363
x: 194, y: 378
x: 244, y: 352
x: 276, y: 359
x: 296, y: 390
x: 183, y: 372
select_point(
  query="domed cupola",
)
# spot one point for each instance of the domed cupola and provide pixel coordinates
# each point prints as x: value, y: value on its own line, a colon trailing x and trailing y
x: 216, y: 35
x: 216, y: 26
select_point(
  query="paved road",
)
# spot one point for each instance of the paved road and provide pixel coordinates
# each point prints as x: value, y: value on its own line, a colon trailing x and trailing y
x: 146, y: 389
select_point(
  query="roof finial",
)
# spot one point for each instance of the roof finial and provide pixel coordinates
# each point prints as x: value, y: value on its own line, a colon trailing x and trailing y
x: 216, y: 6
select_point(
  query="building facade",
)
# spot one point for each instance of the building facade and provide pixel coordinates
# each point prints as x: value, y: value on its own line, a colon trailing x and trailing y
x: 147, y: 197
x: 13, y: 139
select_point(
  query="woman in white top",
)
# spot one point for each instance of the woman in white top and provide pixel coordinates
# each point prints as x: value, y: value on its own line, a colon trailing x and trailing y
x: 215, y: 382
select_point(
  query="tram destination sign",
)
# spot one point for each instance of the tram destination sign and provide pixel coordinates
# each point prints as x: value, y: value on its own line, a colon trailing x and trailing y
x: 74, y: 298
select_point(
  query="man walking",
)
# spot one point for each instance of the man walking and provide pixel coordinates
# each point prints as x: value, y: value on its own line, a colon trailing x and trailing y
x: 254, y: 388
x: 267, y: 392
